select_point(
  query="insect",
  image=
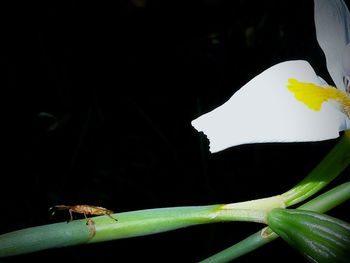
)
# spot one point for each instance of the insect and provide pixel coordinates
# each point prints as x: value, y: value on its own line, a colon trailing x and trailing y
x: 83, y: 209
x: 86, y: 210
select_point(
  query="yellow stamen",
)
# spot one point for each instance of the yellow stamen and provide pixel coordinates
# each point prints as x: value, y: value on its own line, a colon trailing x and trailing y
x: 313, y: 96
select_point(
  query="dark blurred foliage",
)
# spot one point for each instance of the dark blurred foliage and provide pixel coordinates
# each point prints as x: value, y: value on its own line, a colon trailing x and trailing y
x: 99, y: 99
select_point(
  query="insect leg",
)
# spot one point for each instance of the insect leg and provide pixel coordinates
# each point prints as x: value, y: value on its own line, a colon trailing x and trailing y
x: 112, y: 217
x: 91, y: 225
x: 88, y: 220
x: 71, y: 215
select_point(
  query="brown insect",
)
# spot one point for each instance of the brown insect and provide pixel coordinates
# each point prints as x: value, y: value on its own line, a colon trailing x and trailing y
x: 86, y: 210
x: 82, y: 209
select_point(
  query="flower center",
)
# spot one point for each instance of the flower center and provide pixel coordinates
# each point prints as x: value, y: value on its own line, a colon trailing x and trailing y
x: 313, y: 96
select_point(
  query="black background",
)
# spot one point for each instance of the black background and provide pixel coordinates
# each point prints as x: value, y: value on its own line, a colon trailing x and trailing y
x: 98, y: 103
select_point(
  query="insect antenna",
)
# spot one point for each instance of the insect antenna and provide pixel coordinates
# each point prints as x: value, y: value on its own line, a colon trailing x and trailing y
x: 62, y: 207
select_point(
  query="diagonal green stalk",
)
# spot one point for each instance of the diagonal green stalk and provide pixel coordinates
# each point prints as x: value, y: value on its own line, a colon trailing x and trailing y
x: 131, y: 224
x: 321, y: 204
x: 329, y: 199
x: 329, y: 168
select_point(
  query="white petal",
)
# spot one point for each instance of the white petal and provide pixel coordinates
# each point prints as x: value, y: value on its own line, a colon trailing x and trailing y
x: 264, y: 110
x: 332, y: 20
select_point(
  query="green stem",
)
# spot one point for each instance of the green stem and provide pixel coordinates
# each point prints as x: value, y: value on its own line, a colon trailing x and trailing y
x: 329, y: 199
x: 321, y: 204
x: 131, y: 224
x: 243, y: 247
x: 151, y: 221
x: 328, y: 169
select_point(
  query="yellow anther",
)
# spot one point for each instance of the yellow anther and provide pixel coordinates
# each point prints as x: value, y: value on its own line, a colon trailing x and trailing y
x: 313, y: 96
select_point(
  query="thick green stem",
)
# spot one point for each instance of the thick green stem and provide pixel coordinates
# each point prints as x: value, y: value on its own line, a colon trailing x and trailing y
x: 329, y: 168
x: 145, y: 222
x: 131, y: 224
x: 321, y: 204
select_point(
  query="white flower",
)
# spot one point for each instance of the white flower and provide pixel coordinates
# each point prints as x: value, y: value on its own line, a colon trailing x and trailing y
x: 289, y: 102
